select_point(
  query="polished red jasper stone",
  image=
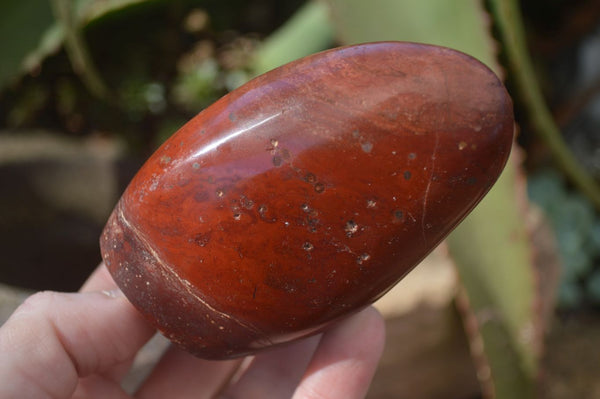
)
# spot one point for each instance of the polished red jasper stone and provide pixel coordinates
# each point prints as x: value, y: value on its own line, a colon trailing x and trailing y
x: 306, y: 194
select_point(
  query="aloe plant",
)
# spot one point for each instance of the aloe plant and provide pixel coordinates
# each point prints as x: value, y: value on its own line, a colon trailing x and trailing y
x: 491, y: 248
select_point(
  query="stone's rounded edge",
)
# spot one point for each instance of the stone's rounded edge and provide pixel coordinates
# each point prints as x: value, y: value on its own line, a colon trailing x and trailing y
x: 385, y: 46
x: 171, y: 304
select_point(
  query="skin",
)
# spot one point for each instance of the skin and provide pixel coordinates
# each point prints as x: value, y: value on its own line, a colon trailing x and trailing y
x: 59, y: 345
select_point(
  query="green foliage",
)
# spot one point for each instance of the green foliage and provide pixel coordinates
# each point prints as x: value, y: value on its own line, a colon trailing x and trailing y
x: 196, y: 88
x: 577, y: 228
x: 307, y: 32
x: 26, y: 34
x: 491, y: 249
x: 67, y: 18
x: 458, y: 24
x: 41, y: 28
x: 592, y: 287
x: 510, y: 25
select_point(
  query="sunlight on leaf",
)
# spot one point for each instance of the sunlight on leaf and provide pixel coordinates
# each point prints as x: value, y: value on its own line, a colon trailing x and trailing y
x: 307, y: 32
x: 459, y: 24
x: 492, y: 252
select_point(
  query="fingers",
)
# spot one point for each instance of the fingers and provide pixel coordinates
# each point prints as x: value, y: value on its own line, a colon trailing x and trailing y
x: 181, y: 375
x: 99, y: 387
x: 346, y: 359
x: 53, y: 339
x: 338, y: 364
x: 99, y: 280
x: 277, y: 371
x: 59, y: 345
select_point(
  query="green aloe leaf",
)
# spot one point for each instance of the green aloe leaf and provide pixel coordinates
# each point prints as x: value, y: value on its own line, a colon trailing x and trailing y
x: 492, y: 252
x: 306, y: 32
x: 31, y: 30
x: 460, y: 24
x: 91, y: 10
x: 66, y: 15
x: 24, y: 29
x: 491, y: 248
x: 510, y: 26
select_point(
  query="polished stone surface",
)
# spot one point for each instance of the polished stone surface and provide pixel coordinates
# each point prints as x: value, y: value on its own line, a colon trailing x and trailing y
x: 307, y: 193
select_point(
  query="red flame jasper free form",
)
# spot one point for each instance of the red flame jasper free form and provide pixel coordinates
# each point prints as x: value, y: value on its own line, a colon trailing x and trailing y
x: 306, y: 194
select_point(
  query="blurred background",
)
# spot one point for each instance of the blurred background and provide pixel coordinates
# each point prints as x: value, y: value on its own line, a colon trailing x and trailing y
x: 507, y: 307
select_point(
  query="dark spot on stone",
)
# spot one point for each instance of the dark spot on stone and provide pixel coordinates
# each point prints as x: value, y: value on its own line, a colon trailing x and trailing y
x: 312, y: 224
x: 277, y: 160
x: 319, y: 187
x: 246, y: 202
x: 265, y: 215
x: 367, y: 147
x: 363, y: 258
x: 471, y: 181
x: 232, y: 117
x: 202, y: 239
x: 183, y: 181
x: 398, y: 215
x: 310, y: 178
x: 407, y: 175
x: 201, y: 196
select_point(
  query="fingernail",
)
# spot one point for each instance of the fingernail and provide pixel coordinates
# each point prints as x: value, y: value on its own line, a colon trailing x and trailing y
x: 116, y: 293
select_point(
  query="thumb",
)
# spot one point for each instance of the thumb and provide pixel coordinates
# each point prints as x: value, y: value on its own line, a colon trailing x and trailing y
x: 53, y: 339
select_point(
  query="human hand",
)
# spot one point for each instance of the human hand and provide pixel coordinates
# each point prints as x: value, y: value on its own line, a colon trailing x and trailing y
x: 60, y: 345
